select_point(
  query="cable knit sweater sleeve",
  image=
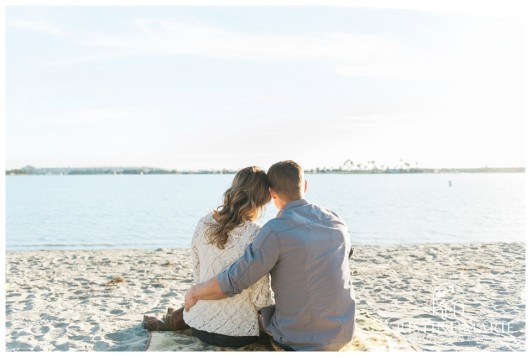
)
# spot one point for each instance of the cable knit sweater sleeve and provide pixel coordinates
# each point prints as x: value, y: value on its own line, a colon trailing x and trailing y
x: 195, y: 252
x: 261, y: 293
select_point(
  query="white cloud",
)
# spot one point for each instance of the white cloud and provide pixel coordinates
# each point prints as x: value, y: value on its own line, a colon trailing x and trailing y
x: 394, y: 70
x: 88, y: 116
x: 103, y: 115
x: 374, y: 119
x: 38, y: 26
x: 98, y: 57
x: 506, y: 8
x: 175, y: 38
x: 356, y: 55
x: 480, y: 52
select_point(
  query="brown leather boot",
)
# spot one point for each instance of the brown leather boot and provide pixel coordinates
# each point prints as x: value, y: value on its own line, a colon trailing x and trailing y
x: 175, y: 319
x: 151, y: 323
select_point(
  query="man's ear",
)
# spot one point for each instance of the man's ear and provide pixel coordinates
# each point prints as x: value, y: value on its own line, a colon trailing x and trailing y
x: 305, y: 185
x: 272, y: 193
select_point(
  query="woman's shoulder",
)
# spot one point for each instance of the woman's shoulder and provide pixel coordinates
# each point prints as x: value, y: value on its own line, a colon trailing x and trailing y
x: 248, y: 230
x: 204, y: 223
x: 254, y: 225
x: 207, y: 218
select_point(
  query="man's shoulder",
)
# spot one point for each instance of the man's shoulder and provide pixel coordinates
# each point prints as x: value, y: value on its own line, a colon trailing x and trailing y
x: 277, y: 225
x: 321, y: 213
x: 270, y: 226
x: 329, y: 213
x: 301, y: 216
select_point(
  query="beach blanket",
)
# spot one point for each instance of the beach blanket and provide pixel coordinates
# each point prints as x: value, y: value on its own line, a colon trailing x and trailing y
x: 371, y: 335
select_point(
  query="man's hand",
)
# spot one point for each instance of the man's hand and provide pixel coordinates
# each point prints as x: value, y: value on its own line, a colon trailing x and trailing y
x: 189, y: 299
x: 209, y: 290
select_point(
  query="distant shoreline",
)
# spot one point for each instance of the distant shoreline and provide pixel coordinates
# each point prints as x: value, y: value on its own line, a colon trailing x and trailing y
x: 28, y: 170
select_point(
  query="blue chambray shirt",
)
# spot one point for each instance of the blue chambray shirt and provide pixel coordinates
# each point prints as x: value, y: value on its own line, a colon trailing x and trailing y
x: 305, y: 249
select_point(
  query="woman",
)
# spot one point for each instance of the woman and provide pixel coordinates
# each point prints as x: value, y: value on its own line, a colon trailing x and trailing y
x: 220, y: 238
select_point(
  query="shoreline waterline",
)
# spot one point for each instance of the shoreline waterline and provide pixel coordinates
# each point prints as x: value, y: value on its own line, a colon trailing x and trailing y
x: 109, y: 247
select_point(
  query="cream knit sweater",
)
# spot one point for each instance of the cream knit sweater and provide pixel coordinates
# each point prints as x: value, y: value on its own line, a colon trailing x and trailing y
x: 233, y: 316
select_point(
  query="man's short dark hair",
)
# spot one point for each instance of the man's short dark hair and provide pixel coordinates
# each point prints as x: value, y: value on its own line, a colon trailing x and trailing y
x: 286, y: 178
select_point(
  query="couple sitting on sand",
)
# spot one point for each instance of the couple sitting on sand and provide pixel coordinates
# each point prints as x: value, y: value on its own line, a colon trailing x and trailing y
x: 305, y: 250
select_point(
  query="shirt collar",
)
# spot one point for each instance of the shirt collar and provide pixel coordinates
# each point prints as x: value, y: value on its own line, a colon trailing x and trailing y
x: 293, y: 204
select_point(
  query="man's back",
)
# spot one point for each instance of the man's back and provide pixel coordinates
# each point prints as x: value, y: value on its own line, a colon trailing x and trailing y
x: 306, y: 251
x: 311, y: 280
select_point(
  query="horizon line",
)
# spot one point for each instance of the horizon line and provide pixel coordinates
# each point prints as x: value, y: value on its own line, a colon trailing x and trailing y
x: 317, y: 168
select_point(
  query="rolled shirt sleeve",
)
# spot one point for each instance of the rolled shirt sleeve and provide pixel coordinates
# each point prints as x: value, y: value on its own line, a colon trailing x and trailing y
x: 258, y: 259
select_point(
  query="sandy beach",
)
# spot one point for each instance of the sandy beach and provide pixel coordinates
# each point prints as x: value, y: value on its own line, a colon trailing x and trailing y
x: 437, y: 297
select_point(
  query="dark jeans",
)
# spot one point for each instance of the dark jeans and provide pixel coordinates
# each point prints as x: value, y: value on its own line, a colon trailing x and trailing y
x: 223, y: 340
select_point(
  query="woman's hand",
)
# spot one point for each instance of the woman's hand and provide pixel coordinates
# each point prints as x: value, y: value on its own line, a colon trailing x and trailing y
x: 189, y: 299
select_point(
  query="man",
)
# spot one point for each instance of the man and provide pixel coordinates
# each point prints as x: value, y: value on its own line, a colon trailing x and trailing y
x: 306, y: 250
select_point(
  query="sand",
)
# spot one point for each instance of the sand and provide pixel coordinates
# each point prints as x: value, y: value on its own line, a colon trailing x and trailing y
x: 438, y: 297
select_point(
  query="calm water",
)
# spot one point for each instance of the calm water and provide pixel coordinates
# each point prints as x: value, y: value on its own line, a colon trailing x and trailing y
x: 106, y: 212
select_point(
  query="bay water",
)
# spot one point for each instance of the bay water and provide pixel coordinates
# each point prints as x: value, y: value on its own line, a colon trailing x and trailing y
x: 161, y: 211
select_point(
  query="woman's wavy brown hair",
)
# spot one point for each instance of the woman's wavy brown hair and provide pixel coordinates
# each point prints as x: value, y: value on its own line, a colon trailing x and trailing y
x: 242, y: 202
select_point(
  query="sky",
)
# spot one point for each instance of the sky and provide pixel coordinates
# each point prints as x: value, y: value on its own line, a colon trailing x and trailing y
x: 209, y: 87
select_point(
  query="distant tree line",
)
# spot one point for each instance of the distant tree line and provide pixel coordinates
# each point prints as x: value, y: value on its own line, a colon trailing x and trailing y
x: 348, y: 167
x: 30, y: 170
x: 402, y: 167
